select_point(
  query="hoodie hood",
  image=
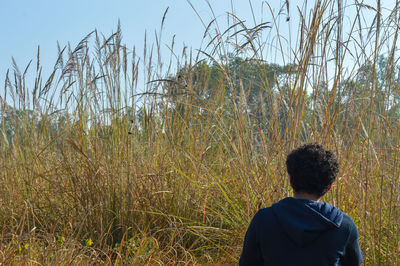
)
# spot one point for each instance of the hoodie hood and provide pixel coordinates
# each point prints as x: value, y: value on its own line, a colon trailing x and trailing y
x: 304, y: 220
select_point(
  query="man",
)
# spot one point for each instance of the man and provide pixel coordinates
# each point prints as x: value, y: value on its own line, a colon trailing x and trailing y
x: 301, y: 230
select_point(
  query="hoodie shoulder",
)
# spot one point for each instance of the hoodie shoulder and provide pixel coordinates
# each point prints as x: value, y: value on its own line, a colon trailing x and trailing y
x: 264, y: 212
x: 265, y: 218
x: 348, y: 222
x: 349, y: 227
x: 352, y: 252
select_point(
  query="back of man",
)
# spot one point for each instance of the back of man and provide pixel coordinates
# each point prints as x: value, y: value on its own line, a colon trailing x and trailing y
x: 302, y: 230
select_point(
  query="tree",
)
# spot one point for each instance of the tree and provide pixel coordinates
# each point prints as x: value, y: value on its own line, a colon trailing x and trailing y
x: 249, y: 84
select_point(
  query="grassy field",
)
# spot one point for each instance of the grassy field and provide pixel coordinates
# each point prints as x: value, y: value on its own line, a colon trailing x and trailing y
x: 111, y: 160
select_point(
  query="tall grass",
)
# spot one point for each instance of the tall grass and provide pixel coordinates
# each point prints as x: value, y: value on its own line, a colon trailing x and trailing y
x: 97, y: 167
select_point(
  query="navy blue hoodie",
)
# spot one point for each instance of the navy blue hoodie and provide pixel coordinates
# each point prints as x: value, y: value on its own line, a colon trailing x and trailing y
x: 301, y: 232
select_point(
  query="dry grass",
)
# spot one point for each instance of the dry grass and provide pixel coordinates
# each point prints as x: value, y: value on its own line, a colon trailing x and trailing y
x: 104, y: 170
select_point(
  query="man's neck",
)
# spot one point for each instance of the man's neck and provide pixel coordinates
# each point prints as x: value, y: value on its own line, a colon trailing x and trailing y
x: 302, y: 195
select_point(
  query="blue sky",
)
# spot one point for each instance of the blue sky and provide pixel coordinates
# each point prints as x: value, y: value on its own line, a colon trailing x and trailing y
x: 25, y: 24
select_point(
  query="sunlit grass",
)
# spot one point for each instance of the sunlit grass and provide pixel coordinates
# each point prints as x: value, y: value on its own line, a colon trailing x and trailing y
x: 97, y: 168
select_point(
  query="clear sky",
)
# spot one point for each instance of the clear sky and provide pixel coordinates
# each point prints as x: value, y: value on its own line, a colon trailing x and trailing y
x: 25, y: 24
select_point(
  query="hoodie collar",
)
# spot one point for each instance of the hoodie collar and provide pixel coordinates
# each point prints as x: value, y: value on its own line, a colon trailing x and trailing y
x: 304, y: 220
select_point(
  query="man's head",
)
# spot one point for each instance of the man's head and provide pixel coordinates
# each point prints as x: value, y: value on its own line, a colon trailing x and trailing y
x: 312, y: 169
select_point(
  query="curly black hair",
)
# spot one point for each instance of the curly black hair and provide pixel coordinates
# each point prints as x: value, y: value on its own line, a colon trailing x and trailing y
x: 312, y: 169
